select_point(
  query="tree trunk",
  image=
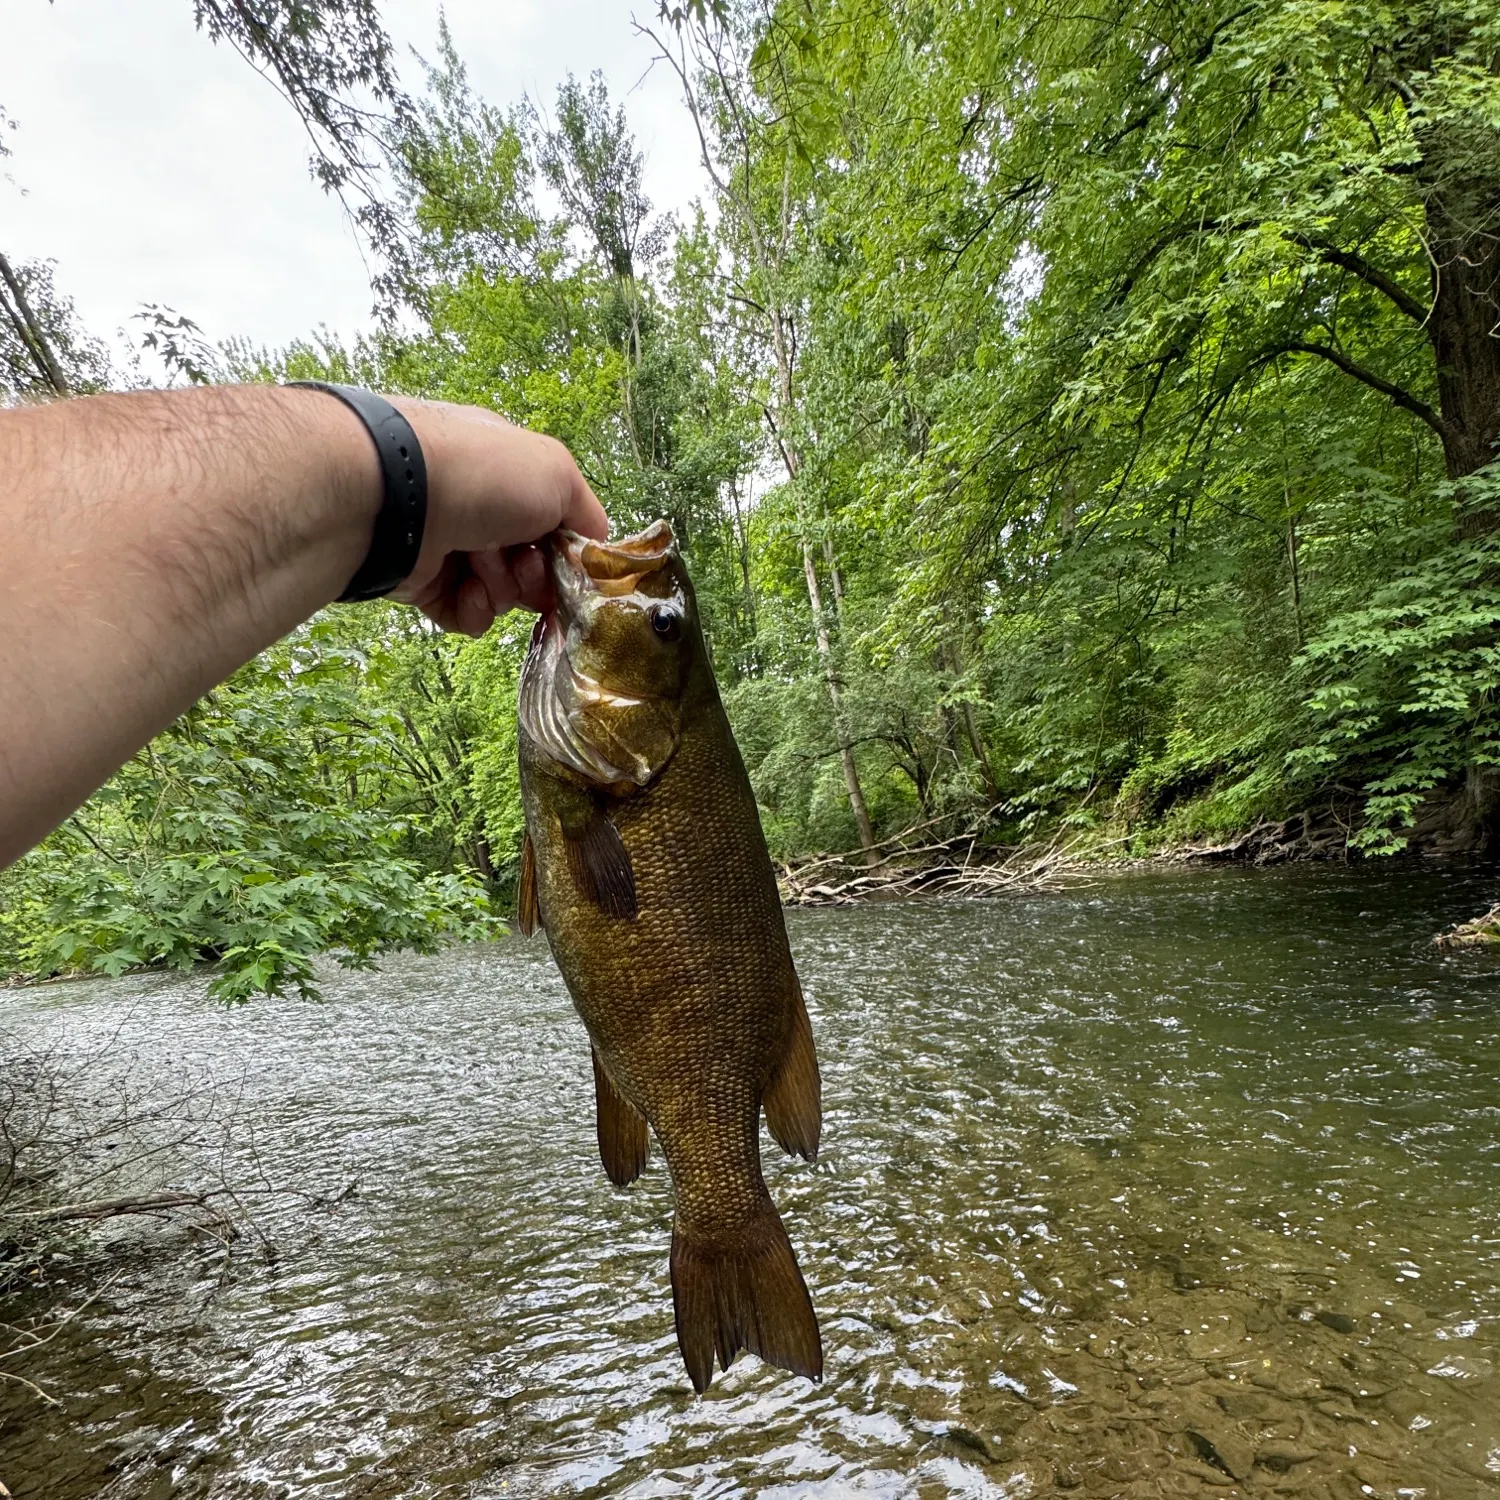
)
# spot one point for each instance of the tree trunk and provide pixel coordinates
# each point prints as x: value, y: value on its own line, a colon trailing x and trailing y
x: 831, y: 558
x: 792, y: 463
x: 830, y: 677
x: 1461, y: 206
x: 1465, y: 333
x: 768, y: 244
x: 857, y: 803
x: 479, y: 857
x: 971, y: 729
x: 976, y: 744
x: 1464, y: 329
x: 742, y: 548
x: 31, y: 332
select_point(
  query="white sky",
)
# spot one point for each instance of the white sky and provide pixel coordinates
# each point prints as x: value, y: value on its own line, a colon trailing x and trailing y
x: 153, y: 166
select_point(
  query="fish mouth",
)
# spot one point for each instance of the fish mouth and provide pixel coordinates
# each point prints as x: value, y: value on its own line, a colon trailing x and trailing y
x: 581, y: 565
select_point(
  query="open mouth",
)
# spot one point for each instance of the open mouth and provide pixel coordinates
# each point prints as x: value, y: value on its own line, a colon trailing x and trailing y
x: 581, y: 564
x: 557, y: 694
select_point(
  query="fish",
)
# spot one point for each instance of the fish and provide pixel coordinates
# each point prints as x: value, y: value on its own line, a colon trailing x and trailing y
x: 645, y: 864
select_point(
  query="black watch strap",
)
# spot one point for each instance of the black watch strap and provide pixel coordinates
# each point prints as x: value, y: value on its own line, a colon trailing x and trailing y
x: 403, y: 510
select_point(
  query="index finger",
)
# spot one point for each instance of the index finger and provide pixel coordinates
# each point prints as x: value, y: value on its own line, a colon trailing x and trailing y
x: 582, y: 511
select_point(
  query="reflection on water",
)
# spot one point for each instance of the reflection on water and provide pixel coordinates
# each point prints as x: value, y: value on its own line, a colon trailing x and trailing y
x: 1180, y: 1184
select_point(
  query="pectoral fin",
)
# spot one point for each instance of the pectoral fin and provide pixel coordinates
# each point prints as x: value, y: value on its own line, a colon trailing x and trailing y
x: 600, y: 865
x: 528, y: 911
x: 793, y: 1099
x: 623, y: 1142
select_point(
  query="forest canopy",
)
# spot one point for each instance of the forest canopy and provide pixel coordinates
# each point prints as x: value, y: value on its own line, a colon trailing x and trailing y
x: 1072, y: 421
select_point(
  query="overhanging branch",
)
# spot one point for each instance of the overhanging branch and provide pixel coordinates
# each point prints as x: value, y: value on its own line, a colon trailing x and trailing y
x: 1394, y: 393
x: 28, y: 326
x: 1357, y: 265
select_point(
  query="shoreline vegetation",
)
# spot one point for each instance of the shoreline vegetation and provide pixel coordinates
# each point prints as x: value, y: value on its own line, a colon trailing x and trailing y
x: 928, y: 860
x: 969, y: 866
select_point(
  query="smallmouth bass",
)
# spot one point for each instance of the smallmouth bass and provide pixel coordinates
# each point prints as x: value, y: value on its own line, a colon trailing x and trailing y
x: 645, y: 863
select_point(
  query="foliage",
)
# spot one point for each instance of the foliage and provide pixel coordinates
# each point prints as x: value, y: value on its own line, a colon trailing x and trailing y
x: 257, y: 832
x: 1136, y: 340
x: 1075, y: 419
x: 334, y: 63
x: 42, y: 343
x: 1408, y: 676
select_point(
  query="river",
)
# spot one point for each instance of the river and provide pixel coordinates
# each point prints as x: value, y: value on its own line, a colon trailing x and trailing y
x: 1173, y: 1183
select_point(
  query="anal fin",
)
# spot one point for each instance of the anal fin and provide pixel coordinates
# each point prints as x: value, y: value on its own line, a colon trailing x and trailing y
x: 623, y: 1142
x: 528, y: 908
x: 600, y: 866
x: 794, y: 1097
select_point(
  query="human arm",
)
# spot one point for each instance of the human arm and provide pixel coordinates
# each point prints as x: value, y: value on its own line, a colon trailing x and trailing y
x: 152, y: 543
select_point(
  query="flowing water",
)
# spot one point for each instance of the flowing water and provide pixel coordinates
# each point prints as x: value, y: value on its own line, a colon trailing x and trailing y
x: 1173, y: 1184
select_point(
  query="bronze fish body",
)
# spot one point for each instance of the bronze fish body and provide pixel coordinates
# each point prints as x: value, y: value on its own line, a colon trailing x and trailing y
x: 645, y: 863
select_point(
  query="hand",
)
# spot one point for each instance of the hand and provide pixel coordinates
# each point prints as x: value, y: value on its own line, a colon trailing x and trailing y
x: 494, y: 490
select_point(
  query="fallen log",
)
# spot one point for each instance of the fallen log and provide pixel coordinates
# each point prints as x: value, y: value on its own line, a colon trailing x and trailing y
x: 1477, y: 932
x: 110, y: 1208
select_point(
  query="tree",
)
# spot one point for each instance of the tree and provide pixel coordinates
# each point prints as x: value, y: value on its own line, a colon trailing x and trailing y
x: 334, y: 63
x: 740, y: 114
x: 1173, y: 366
x: 43, y: 349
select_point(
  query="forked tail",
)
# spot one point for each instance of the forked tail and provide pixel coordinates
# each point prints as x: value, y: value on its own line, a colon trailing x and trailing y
x: 743, y: 1292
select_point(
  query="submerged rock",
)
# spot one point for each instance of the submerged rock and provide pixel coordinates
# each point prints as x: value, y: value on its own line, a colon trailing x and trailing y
x: 1339, y: 1322
x: 1280, y: 1454
x: 1462, y: 1367
x: 1474, y: 933
x: 1206, y: 1474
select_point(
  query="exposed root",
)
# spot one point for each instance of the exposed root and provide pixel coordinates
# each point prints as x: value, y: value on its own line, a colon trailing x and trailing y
x: 1315, y: 834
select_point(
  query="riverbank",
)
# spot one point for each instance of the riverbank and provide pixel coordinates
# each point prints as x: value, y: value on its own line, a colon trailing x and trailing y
x: 970, y: 865
x: 927, y: 860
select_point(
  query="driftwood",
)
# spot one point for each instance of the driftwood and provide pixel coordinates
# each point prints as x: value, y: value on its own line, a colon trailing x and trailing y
x: 961, y: 865
x: 113, y: 1208
x: 1477, y: 932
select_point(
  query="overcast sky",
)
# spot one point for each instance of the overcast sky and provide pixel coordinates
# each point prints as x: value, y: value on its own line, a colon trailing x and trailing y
x: 155, y: 167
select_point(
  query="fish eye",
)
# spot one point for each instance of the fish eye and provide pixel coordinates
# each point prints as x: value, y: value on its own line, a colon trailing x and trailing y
x: 666, y: 622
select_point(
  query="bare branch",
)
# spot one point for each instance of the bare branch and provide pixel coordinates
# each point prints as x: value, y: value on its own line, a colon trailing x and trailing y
x: 112, y: 1208
x: 1402, y: 398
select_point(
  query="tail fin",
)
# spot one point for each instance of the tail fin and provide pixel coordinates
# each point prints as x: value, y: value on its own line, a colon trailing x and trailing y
x: 746, y: 1294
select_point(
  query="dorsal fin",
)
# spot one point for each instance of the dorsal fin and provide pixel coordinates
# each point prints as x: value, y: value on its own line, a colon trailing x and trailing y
x: 794, y: 1097
x: 528, y: 909
x: 623, y: 1142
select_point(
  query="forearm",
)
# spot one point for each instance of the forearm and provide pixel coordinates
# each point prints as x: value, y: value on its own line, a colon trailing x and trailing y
x: 153, y: 543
